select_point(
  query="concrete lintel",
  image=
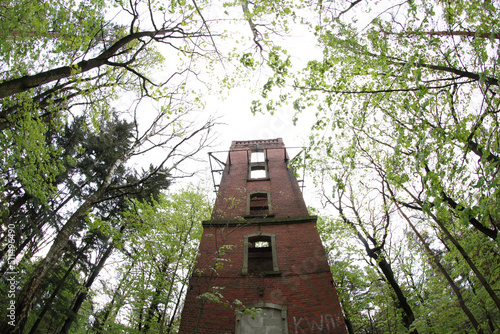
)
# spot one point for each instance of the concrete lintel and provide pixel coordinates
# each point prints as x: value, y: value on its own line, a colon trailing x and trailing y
x: 260, y: 221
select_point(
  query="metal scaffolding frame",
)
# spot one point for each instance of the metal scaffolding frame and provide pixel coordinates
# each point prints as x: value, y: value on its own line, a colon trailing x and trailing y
x: 218, y: 166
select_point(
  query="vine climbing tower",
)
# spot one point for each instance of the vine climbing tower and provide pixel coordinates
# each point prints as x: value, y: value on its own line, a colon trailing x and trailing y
x: 261, y: 266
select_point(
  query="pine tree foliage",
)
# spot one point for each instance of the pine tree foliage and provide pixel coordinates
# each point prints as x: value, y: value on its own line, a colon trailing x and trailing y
x: 71, y: 149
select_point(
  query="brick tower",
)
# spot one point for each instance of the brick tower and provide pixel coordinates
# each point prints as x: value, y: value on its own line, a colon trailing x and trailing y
x: 261, y: 250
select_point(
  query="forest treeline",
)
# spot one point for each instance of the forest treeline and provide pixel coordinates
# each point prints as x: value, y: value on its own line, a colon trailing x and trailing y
x: 404, y: 151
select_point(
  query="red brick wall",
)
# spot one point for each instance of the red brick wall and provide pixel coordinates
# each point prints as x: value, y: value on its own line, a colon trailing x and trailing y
x: 304, y: 284
x: 286, y: 197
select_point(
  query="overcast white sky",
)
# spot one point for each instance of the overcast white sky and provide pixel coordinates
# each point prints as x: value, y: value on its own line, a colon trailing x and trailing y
x: 240, y: 124
x: 233, y: 110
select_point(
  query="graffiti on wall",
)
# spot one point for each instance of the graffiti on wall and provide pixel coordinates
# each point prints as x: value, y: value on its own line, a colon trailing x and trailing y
x: 304, y: 325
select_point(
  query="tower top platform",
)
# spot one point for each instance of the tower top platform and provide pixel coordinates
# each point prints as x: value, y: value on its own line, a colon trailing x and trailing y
x: 258, y: 143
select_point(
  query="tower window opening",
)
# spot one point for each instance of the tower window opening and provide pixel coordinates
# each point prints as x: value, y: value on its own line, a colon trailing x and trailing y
x: 257, y: 156
x: 260, y: 255
x: 261, y: 244
x: 259, y: 204
x: 258, y: 172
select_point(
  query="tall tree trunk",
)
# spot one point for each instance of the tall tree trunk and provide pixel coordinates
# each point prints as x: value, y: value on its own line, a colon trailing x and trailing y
x: 462, y: 251
x: 156, y: 298
x: 385, y: 267
x: 347, y: 321
x: 48, y: 302
x: 82, y: 295
x: 174, y: 312
x: 28, y: 293
x: 101, y: 327
x: 443, y: 271
x: 172, y: 281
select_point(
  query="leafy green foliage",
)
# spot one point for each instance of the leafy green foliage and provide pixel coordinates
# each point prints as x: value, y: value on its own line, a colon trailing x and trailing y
x: 407, y: 115
x: 159, y: 247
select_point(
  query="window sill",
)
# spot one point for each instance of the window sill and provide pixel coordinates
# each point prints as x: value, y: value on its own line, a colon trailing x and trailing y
x: 263, y: 273
x: 265, y: 215
x: 259, y: 179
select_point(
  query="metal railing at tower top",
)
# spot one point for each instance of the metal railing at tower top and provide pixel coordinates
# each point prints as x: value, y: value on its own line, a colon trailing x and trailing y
x: 218, y: 166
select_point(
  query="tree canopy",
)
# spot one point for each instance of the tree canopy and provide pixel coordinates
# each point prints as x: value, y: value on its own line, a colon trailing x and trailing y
x: 405, y: 147
x: 81, y: 105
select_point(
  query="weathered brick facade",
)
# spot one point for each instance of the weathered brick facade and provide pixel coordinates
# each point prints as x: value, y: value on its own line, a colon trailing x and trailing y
x: 262, y: 248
